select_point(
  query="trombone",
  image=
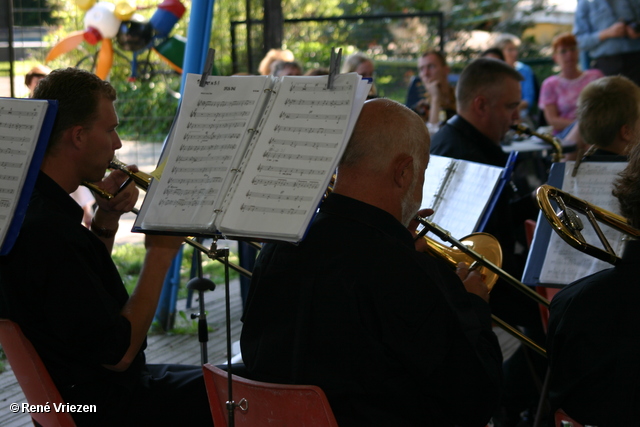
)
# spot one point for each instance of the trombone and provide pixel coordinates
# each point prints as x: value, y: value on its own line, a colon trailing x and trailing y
x: 143, y: 180
x: 469, y: 249
x: 568, y: 225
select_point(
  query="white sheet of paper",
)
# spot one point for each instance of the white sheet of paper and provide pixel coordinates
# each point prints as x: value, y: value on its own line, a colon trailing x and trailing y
x: 295, y: 157
x: 20, y: 124
x: 564, y: 264
x: 207, y: 142
x: 458, y: 191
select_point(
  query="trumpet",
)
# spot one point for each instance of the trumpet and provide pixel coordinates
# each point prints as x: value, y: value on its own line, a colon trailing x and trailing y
x: 555, y: 142
x: 143, y: 180
x: 568, y: 225
x: 483, y: 250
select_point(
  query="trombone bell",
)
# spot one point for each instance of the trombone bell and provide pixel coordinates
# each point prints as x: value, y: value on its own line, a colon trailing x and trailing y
x: 482, y: 243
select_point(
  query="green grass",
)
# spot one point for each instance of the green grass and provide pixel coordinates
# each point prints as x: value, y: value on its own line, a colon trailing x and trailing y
x: 129, y: 258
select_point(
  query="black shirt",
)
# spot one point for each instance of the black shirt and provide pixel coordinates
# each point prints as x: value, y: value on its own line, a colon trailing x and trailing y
x: 594, y: 345
x: 356, y: 310
x: 60, y: 285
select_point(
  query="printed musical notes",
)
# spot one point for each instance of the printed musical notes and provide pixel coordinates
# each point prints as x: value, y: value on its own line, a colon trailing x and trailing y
x: 251, y: 156
x: 302, y: 138
x: 20, y: 124
x: 209, y: 134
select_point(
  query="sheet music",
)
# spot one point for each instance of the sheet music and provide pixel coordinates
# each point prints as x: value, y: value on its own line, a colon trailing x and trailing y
x: 207, y: 141
x: 458, y: 191
x: 20, y: 124
x: 564, y: 264
x: 295, y: 157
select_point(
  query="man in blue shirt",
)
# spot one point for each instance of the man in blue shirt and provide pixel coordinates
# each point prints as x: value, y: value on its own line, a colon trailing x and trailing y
x: 609, y: 31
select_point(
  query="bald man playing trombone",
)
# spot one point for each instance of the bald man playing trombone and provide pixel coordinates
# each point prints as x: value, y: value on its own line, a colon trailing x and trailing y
x: 61, y: 286
x: 392, y: 335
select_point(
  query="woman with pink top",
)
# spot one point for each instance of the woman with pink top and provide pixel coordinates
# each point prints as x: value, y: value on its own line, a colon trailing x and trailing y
x: 559, y: 93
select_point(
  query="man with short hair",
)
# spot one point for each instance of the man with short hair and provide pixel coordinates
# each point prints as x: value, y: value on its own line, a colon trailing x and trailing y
x: 70, y: 302
x: 356, y: 310
x: 488, y: 94
x: 593, y: 335
x: 430, y: 94
x: 609, y: 115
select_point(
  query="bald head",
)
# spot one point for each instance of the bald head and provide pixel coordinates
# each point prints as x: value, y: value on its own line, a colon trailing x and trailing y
x: 385, y: 158
x: 385, y: 128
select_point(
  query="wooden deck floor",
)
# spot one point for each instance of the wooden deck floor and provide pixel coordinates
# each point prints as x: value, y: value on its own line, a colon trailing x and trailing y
x: 162, y: 348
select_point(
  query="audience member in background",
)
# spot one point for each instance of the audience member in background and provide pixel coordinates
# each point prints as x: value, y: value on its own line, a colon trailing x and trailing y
x: 83, y: 196
x: 609, y: 31
x: 321, y: 71
x: 593, y: 340
x: 430, y: 94
x: 265, y: 68
x: 289, y: 68
x: 509, y: 44
x: 559, y: 93
x: 34, y: 75
x: 492, y: 52
x: 609, y: 117
x: 364, y: 66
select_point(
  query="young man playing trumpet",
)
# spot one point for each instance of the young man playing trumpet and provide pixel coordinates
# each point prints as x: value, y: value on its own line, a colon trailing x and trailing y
x: 69, y: 299
x: 358, y: 311
x: 593, y: 341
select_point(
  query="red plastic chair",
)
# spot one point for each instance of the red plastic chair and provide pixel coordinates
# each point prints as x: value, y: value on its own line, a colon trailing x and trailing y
x: 32, y: 375
x: 266, y: 404
x: 564, y: 420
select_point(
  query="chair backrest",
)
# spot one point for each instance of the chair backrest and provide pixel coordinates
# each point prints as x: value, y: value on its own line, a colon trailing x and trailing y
x: 32, y: 375
x: 564, y: 420
x: 266, y: 404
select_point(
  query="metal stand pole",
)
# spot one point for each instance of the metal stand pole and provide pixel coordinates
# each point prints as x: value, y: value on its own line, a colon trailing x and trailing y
x: 201, y: 284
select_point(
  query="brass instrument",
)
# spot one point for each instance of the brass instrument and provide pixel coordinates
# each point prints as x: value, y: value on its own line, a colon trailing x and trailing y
x: 568, y: 225
x: 483, y: 250
x: 555, y: 142
x: 143, y: 181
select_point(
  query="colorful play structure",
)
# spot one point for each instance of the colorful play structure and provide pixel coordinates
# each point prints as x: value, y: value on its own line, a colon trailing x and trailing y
x: 105, y: 21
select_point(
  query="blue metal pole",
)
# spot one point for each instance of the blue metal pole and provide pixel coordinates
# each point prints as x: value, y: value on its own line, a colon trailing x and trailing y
x: 198, y: 36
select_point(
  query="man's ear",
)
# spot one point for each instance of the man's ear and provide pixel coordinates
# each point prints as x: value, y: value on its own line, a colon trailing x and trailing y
x: 403, y: 170
x: 480, y: 104
x: 77, y: 136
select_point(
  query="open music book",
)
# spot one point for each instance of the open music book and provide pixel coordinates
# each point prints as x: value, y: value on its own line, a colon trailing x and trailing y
x: 462, y: 193
x: 552, y: 261
x: 25, y: 126
x: 251, y: 156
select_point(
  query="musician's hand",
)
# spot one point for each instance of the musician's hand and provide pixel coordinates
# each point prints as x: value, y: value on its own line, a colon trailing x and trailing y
x: 125, y: 198
x: 421, y: 244
x: 473, y: 281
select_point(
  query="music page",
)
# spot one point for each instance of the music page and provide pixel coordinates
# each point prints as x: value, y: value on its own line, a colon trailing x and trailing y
x: 295, y: 156
x: 20, y: 124
x: 593, y: 183
x: 208, y: 141
x: 458, y: 191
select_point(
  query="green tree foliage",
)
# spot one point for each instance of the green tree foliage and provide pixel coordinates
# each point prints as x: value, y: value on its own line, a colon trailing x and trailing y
x: 31, y: 13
